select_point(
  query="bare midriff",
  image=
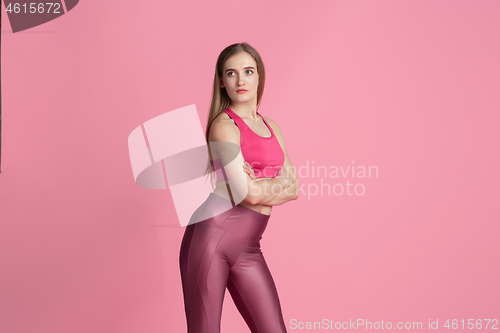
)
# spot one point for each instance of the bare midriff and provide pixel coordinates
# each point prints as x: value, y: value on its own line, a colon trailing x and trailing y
x: 222, y: 191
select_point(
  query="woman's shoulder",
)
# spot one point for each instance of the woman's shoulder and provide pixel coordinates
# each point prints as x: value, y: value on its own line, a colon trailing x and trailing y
x: 273, y: 125
x: 223, y: 129
x: 221, y: 116
x: 269, y: 120
x: 222, y: 121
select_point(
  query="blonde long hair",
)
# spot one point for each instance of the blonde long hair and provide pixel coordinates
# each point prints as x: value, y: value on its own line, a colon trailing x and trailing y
x: 220, y: 98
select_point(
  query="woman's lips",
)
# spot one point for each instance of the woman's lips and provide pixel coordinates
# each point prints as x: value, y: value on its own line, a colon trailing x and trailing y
x: 242, y: 91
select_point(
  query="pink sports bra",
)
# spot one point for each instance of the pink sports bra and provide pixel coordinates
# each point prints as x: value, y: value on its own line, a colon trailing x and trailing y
x: 264, y: 154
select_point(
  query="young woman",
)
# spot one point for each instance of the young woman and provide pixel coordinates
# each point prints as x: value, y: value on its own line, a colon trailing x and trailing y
x: 221, y: 244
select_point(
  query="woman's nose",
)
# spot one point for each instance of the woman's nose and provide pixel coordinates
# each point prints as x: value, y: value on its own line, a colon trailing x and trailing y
x: 241, y: 79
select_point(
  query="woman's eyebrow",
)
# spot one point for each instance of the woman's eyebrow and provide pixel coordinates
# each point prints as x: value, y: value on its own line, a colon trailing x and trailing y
x: 230, y: 69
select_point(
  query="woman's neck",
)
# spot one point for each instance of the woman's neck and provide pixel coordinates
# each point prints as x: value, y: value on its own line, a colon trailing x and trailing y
x: 245, y: 111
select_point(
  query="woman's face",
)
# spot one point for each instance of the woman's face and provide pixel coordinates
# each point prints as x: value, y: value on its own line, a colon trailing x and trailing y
x: 240, y: 78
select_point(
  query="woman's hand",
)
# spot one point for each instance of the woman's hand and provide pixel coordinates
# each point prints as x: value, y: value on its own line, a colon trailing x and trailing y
x: 248, y: 169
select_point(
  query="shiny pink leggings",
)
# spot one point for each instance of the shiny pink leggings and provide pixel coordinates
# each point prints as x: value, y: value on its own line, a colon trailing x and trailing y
x: 224, y: 251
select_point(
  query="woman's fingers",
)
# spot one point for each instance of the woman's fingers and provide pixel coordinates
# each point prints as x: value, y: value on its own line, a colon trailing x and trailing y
x: 247, y: 168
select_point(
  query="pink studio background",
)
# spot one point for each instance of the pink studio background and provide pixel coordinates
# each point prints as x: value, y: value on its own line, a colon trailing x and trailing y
x: 409, y: 87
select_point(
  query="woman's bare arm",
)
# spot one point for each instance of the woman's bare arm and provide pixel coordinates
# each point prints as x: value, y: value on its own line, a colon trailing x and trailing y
x: 224, y: 138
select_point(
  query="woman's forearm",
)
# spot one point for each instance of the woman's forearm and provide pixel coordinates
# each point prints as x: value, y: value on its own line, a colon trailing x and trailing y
x: 287, y: 194
x: 264, y: 190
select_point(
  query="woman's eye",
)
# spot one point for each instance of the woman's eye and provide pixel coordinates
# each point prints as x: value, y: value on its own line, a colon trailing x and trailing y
x: 248, y: 70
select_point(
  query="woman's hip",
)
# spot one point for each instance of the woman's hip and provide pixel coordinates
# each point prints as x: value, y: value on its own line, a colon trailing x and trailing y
x: 217, y: 212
